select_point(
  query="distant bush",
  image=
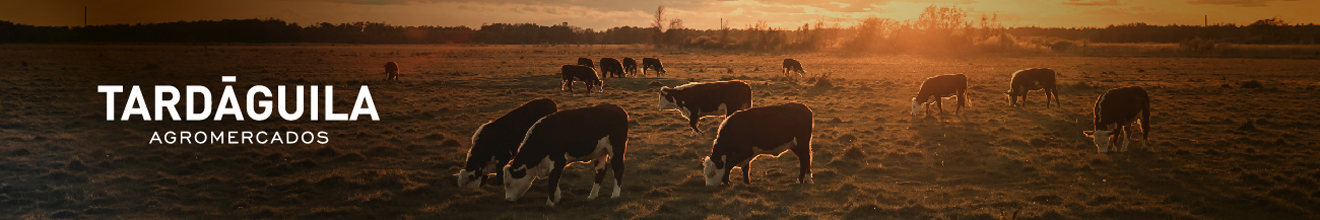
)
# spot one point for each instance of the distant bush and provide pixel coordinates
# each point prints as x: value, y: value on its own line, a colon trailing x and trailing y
x: 1197, y: 45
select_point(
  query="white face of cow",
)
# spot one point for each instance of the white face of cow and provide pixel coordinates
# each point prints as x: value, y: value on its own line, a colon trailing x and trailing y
x: 468, y: 178
x: 1101, y: 139
x: 714, y: 175
x: 665, y: 103
x: 916, y: 106
x: 517, y: 185
x: 474, y: 178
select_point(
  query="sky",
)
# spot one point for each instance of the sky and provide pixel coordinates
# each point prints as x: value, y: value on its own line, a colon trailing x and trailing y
x: 698, y: 14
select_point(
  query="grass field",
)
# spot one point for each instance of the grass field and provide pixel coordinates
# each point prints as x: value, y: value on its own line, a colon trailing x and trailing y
x: 60, y: 158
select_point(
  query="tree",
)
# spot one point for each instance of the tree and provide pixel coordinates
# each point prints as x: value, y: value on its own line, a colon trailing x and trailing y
x: 658, y: 25
x: 942, y: 18
x: 676, y: 30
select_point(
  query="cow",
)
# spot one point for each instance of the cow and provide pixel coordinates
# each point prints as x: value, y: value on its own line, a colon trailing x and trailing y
x: 629, y: 66
x: 497, y: 141
x: 582, y: 73
x: 1115, y: 112
x: 391, y: 71
x: 791, y: 66
x: 597, y: 134
x: 698, y: 100
x: 936, y: 88
x: 586, y: 62
x: 1032, y: 79
x: 769, y: 130
x: 610, y: 67
x: 654, y: 64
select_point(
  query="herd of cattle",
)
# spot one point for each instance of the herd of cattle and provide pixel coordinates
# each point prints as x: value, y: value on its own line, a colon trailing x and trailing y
x: 525, y: 144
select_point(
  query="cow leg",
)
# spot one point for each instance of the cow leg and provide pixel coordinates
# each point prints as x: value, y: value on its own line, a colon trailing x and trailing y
x: 553, y: 184
x: 803, y: 152
x: 728, y: 168
x: 692, y: 122
x: 1126, y: 136
x: 619, y: 146
x: 1055, y: 92
x: 1024, y: 97
x: 600, y: 165
x: 499, y: 176
x: 747, y: 172
x: 1048, y: 93
x: 1145, y: 127
x: 939, y: 102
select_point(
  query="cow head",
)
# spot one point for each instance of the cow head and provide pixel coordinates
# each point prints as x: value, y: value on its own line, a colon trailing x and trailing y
x: 517, y: 180
x: 667, y: 101
x: 474, y: 173
x: 1102, y: 139
x: 1009, y: 95
x: 475, y: 169
x: 714, y: 171
x: 916, y: 106
x: 470, y: 178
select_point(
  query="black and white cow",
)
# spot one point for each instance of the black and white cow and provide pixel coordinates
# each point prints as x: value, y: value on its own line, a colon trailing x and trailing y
x: 597, y: 134
x: 610, y: 67
x: 1032, y: 79
x: 792, y: 66
x: 1115, y: 112
x: 630, y: 66
x: 586, y: 62
x: 769, y: 130
x: 582, y: 73
x: 654, y: 64
x: 698, y: 100
x: 935, y: 88
x: 497, y: 141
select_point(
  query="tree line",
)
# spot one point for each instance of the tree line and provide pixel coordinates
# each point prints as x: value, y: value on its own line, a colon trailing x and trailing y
x: 936, y: 27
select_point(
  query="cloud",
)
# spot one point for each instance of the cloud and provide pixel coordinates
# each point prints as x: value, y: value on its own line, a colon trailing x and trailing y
x: 1092, y: 2
x: 1242, y: 3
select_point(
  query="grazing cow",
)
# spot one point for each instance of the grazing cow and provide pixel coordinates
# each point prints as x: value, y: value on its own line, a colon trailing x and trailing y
x: 936, y: 88
x: 497, y: 141
x: 791, y: 66
x: 610, y: 67
x: 697, y: 100
x: 1032, y: 79
x: 654, y: 64
x: 391, y: 71
x: 1115, y: 112
x: 582, y: 73
x: 598, y: 135
x: 630, y: 66
x: 586, y: 62
x: 770, y: 130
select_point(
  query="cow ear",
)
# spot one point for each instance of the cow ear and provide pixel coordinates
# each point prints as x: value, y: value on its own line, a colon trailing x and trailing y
x: 1090, y: 134
x: 666, y: 88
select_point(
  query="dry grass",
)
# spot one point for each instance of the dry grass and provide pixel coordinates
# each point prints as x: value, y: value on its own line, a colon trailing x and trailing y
x: 872, y: 161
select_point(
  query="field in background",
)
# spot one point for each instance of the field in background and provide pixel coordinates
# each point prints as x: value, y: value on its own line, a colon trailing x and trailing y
x: 60, y: 158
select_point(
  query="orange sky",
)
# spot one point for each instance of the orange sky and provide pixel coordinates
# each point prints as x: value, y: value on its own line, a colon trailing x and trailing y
x: 700, y: 14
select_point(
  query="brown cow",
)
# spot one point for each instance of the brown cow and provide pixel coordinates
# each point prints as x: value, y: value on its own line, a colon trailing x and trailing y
x: 392, y: 71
